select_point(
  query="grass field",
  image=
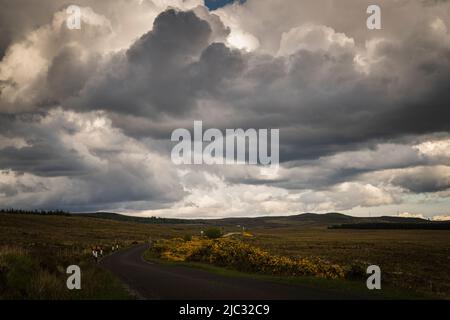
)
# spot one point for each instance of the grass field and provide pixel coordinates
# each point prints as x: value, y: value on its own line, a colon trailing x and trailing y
x: 39, y: 248
x: 416, y: 260
x: 36, y: 250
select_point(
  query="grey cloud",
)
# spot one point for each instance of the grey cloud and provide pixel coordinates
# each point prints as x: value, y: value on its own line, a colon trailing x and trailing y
x: 318, y: 99
x: 332, y: 115
x: 15, y: 19
x: 164, y: 72
x: 42, y: 159
x: 68, y: 73
x: 49, y: 172
x: 45, y: 155
x: 424, y: 179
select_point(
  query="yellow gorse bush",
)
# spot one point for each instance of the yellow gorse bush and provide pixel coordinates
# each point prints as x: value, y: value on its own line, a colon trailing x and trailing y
x: 243, y: 257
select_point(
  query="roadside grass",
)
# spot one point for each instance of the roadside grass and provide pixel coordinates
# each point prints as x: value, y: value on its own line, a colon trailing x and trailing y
x: 31, y: 274
x: 35, y: 252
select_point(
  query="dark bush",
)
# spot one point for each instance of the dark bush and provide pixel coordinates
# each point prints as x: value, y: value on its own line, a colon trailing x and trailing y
x: 213, y: 233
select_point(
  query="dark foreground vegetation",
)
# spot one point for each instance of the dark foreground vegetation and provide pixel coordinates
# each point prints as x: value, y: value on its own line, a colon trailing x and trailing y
x: 39, y: 272
x: 35, y: 251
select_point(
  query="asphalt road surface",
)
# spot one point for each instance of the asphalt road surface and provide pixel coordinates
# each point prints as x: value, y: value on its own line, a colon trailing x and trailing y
x: 160, y: 281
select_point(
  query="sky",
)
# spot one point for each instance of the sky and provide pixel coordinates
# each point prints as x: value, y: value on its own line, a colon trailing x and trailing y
x: 86, y: 115
x: 215, y: 4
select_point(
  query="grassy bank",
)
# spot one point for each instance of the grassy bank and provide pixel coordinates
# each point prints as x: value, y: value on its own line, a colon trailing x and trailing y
x: 35, y: 251
x: 40, y: 273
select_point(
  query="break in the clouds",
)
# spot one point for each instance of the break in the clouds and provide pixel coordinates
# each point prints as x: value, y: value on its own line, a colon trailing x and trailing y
x: 86, y: 115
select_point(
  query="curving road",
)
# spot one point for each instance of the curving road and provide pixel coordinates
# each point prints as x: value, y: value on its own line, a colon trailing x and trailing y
x: 161, y: 281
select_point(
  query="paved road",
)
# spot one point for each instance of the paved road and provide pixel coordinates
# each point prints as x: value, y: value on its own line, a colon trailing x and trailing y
x: 160, y: 281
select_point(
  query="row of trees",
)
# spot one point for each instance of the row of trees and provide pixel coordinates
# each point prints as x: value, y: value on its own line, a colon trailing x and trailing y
x: 57, y: 212
x: 430, y: 225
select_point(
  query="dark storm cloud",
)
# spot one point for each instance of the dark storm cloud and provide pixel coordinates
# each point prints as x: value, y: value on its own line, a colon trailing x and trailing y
x: 320, y: 174
x: 60, y: 167
x: 314, y: 88
x: 424, y: 179
x: 44, y: 154
x: 164, y: 72
x: 344, y: 110
x: 43, y: 160
x: 69, y: 62
x: 321, y: 103
x: 15, y: 19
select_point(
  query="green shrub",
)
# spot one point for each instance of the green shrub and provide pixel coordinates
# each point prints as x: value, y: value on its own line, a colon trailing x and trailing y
x: 213, y: 233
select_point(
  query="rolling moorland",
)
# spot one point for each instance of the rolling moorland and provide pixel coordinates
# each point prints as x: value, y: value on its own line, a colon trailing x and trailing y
x: 35, y: 249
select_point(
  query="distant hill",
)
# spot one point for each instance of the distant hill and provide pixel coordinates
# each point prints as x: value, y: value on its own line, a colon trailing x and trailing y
x: 332, y: 217
x: 332, y: 220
